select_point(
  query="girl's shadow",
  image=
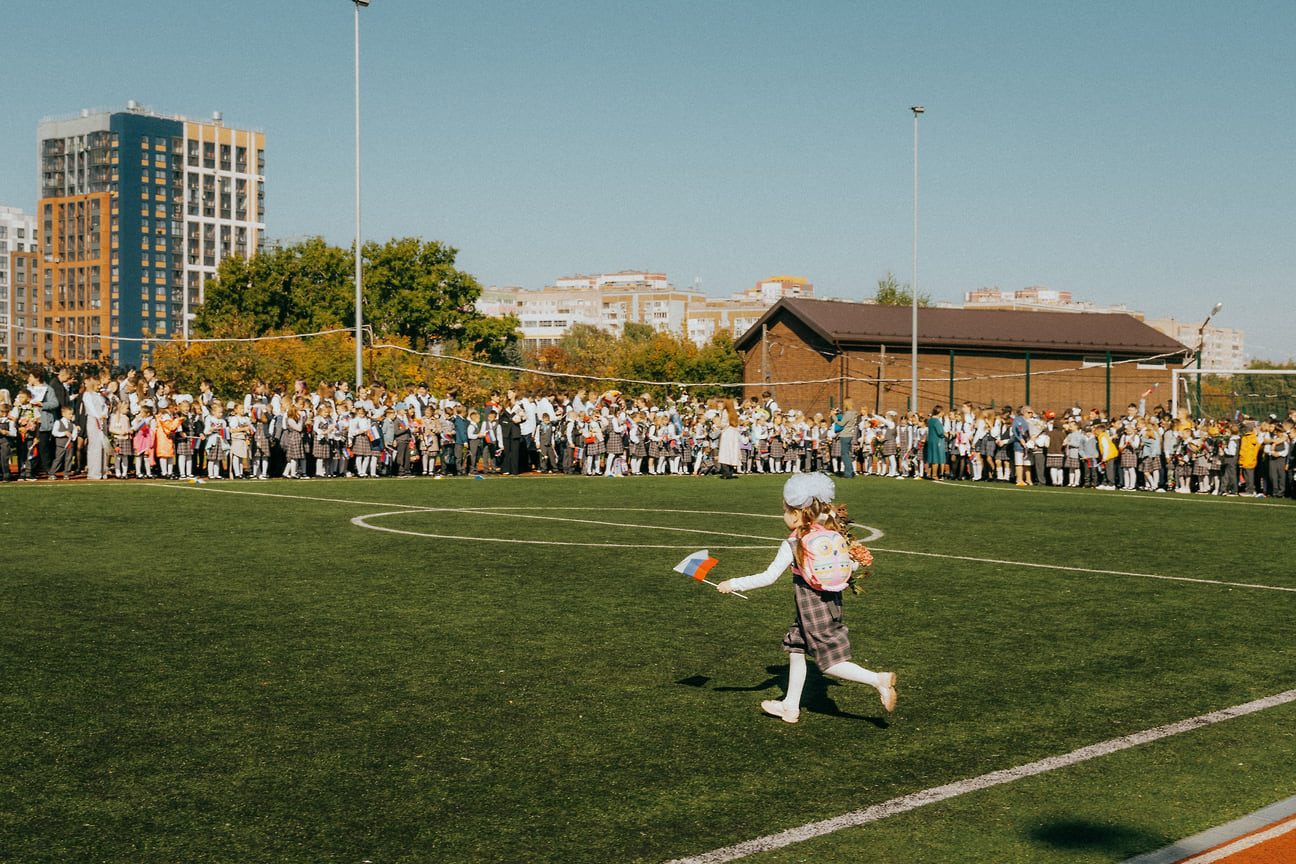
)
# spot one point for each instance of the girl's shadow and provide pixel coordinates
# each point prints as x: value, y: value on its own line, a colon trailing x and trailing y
x: 814, y: 697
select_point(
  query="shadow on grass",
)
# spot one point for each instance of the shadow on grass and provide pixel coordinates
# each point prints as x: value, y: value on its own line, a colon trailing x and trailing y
x: 814, y: 697
x: 1084, y: 835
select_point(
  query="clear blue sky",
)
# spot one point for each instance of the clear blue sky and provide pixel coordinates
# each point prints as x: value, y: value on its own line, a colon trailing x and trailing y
x: 1140, y: 153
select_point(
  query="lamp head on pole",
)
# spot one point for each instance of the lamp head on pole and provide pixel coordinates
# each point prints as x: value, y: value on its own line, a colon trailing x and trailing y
x: 918, y: 109
x: 361, y: 2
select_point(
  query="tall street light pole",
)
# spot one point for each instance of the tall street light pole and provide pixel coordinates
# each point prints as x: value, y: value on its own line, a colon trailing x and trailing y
x: 359, y: 287
x: 913, y: 348
x: 1201, y: 340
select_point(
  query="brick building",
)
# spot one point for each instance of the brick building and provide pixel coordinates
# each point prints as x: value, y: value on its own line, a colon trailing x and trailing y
x: 991, y: 358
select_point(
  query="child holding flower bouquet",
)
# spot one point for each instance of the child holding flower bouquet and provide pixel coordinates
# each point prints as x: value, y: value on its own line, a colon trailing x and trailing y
x: 823, y: 558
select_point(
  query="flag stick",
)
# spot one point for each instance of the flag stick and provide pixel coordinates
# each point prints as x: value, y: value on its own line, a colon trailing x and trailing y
x: 734, y: 593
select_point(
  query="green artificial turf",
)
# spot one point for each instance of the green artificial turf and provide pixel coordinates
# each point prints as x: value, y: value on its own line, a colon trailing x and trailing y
x: 238, y: 672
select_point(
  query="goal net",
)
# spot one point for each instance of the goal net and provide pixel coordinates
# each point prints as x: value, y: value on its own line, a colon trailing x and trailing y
x: 1230, y: 393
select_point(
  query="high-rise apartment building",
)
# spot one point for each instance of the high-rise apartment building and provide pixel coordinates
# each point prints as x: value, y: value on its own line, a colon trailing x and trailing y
x: 137, y: 210
x: 18, y: 260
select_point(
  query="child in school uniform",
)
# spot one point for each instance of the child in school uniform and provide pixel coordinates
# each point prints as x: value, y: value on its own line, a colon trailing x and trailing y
x: 215, y: 445
x: 429, y: 440
x: 366, y: 463
x: 8, y: 440
x: 168, y: 426
x: 185, y: 437
x: 818, y: 629
x: 545, y: 433
x: 322, y: 445
x: 240, y: 432
x: 119, y: 430
x: 65, y: 436
x: 143, y: 435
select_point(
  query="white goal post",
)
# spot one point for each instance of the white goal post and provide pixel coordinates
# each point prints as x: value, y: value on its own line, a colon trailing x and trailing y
x: 1175, y: 373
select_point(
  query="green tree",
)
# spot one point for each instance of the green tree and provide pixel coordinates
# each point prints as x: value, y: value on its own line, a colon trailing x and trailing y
x: 412, y: 290
x: 303, y: 288
x: 894, y: 293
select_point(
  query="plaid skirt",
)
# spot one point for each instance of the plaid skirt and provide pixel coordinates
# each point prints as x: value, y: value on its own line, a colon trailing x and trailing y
x: 657, y: 449
x: 776, y: 448
x: 818, y: 630
x: 1053, y: 460
x: 184, y: 445
x: 124, y: 446
x: 291, y: 441
x: 261, y: 440
x: 615, y: 444
x: 1148, y: 464
x: 322, y: 448
x: 595, y: 447
x: 1128, y: 459
x: 361, y: 446
x: 1071, y: 462
x: 638, y: 449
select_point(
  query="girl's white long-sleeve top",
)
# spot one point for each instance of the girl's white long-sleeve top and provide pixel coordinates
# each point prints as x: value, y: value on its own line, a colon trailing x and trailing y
x: 782, y: 561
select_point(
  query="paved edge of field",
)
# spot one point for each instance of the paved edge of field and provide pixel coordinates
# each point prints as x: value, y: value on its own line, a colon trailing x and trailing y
x: 1195, y: 845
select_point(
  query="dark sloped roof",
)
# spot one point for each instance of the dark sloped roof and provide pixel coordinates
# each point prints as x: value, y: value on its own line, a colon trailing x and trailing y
x: 843, y: 325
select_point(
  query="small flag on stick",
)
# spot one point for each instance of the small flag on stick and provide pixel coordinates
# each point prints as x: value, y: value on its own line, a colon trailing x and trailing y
x: 698, y: 565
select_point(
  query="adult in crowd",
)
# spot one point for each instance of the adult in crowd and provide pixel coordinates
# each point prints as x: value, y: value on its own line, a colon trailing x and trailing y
x: 935, y: 452
x: 848, y: 425
x: 95, y: 404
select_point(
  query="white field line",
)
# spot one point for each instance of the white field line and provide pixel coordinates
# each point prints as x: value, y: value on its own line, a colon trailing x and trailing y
x: 1084, y: 570
x: 1139, y: 495
x: 906, y: 803
x: 359, y: 521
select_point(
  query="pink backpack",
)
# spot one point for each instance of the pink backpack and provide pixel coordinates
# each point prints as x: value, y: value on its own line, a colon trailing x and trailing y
x: 826, y: 564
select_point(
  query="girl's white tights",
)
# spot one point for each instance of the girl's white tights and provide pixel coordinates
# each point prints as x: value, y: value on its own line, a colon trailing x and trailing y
x: 846, y: 670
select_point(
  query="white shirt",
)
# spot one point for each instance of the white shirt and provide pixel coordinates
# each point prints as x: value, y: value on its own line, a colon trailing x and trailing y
x: 782, y: 561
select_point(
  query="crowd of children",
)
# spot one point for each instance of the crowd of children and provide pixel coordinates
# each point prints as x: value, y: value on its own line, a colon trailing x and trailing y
x: 132, y: 425
x: 1152, y: 451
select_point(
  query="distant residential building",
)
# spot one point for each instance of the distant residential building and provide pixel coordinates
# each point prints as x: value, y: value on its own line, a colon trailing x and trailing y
x: 997, y: 298
x: 1221, y: 347
x: 737, y: 313
x: 18, y: 268
x: 609, y: 301
x: 775, y: 288
x: 137, y: 210
x: 1036, y: 299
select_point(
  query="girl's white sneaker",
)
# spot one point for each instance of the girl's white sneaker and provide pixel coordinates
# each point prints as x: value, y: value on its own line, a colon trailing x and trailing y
x: 777, y: 709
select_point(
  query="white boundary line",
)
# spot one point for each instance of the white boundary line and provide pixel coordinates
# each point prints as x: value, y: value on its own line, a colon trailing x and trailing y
x: 1139, y: 494
x: 362, y: 522
x: 1085, y: 570
x: 359, y: 521
x: 937, y: 794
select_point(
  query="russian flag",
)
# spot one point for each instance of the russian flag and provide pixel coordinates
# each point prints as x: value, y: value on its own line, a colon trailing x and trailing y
x: 697, y: 565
